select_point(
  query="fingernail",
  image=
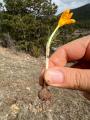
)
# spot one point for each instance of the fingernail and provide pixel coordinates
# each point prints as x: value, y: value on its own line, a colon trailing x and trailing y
x: 54, y: 77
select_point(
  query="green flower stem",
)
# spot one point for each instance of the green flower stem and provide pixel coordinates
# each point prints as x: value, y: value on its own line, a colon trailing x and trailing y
x: 48, y: 46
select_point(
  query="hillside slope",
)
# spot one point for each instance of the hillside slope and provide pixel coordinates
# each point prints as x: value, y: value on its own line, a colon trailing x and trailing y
x: 82, y: 13
x: 19, y: 87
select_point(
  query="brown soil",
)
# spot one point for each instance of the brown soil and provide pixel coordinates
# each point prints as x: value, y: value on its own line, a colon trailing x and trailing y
x: 19, y: 88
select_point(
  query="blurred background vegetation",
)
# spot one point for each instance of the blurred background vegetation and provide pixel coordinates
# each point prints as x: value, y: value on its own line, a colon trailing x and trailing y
x: 27, y: 24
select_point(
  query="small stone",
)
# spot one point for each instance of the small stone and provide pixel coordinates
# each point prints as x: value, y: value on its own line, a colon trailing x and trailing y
x: 28, y: 88
x: 15, y: 109
x: 30, y: 107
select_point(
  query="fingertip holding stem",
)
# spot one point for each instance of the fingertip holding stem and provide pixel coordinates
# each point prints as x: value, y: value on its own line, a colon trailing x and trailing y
x: 54, y: 77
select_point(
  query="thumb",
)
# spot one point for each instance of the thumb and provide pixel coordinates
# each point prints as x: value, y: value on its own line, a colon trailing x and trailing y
x: 68, y: 78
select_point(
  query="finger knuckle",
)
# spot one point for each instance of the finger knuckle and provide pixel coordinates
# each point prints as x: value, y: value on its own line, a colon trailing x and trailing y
x: 77, y: 78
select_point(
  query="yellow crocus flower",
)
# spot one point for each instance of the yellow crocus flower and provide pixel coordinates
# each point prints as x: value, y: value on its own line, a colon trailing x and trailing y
x: 66, y: 18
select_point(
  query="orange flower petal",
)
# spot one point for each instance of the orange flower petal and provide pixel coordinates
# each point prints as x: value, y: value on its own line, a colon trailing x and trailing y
x: 66, y: 18
x: 71, y: 14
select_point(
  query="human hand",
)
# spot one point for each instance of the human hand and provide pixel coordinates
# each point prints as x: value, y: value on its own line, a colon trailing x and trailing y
x: 77, y: 77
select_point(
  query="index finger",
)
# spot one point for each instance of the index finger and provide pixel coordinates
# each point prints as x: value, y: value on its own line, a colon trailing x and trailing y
x: 72, y: 51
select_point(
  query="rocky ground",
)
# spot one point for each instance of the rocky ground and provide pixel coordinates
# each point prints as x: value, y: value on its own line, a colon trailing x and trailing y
x: 19, y: 88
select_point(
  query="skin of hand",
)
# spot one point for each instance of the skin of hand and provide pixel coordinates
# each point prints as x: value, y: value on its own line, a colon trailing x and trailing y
x: 75, y: 77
